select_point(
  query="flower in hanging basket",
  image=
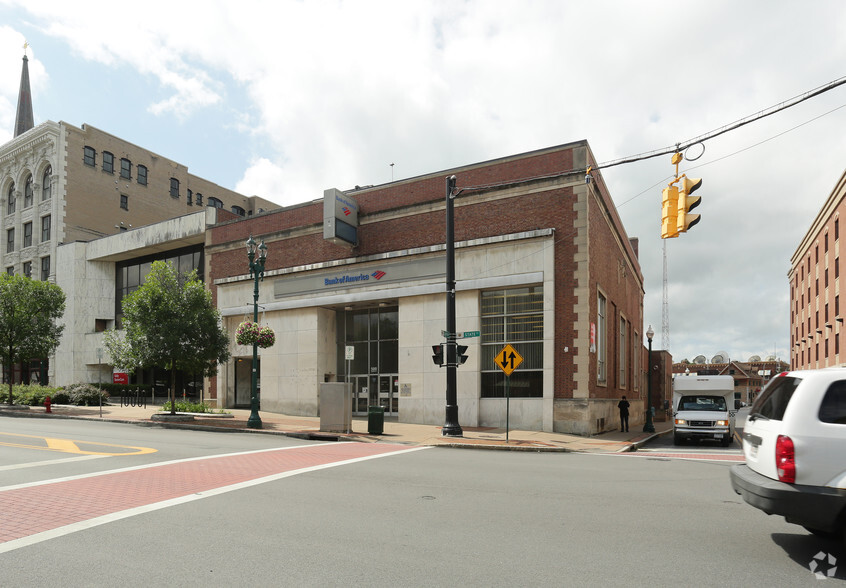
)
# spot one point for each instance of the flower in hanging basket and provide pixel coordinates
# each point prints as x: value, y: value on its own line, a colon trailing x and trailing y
x: 266, y: 337
x: 247, y: 333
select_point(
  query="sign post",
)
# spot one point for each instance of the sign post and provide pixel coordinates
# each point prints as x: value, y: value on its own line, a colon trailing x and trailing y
x: 507, y: 360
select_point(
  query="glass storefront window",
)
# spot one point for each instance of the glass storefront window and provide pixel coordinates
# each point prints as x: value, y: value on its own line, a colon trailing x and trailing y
x: 513, y: 316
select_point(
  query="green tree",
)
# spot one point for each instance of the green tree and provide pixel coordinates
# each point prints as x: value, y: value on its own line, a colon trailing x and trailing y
x: 171, y: 323
x: 29, y: 310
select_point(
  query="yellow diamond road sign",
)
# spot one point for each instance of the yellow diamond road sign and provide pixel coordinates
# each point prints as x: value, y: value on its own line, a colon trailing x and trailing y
x: 508, y: 359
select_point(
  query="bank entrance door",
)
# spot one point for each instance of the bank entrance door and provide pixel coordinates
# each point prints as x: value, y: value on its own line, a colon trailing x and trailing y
x: 380, y: 390
x: 373, y: 333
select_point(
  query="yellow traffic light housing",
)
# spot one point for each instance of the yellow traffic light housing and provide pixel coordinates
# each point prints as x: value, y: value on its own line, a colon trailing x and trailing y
x: 669, y: 212
x: 686, y: 203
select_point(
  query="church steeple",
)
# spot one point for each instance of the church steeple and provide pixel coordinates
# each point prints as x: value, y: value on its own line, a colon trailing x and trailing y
x: 23, y: 119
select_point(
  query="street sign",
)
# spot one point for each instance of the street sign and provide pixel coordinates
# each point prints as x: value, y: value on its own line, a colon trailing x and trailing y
x: 445, y: 333
x: 349, y: 352
x: 472, y: 334
x: 508, y: 359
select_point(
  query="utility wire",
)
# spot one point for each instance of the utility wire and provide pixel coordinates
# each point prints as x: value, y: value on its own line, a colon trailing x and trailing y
x: 678, y: 147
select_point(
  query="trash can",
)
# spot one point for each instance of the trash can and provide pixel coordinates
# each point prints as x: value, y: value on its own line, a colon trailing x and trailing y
x: 375, y: 420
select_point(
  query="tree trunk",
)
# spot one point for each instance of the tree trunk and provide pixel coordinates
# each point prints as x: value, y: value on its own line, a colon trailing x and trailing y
x: 172, y: 390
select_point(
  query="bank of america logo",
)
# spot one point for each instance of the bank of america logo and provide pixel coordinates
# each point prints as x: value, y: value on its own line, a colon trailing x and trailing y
x: 347, y: 211
x: 378, y: 274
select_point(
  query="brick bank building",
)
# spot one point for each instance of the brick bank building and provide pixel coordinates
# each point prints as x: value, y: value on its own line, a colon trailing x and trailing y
x: 542, y: 262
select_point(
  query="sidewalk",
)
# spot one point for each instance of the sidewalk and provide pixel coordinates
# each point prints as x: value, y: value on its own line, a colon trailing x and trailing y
x: 394, y: 432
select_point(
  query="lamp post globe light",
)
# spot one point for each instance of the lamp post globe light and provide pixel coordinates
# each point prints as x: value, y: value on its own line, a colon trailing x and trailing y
x: 257, y: 273
x: 648, y: 426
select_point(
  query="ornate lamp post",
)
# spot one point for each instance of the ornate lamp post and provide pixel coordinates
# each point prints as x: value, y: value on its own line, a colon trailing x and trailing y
x: 648, y: 426
x: 257, y: 273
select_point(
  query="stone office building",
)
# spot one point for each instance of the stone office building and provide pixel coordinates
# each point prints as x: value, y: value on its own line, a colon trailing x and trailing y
x: 62, y: 184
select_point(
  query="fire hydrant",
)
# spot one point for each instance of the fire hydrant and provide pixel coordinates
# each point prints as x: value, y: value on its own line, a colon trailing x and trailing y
x: 47, y: 404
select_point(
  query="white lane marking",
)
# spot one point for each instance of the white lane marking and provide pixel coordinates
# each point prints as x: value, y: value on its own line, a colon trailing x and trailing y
x: 109, y: 518
x: 150, y: 465
x: 35, y: 464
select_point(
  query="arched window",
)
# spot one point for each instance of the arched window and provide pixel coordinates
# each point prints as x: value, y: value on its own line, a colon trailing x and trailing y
x: 10, y: 200
x: 47, y: 183
x: 28, y: 192
x: 214, y: 202
x: 239, y: 211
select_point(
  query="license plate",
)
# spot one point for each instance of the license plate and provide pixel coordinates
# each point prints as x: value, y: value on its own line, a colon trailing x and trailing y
x: 718, y: 436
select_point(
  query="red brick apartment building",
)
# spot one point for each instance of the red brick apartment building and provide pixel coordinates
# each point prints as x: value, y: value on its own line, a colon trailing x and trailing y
x: 542, y: 262
x: 816, y: 318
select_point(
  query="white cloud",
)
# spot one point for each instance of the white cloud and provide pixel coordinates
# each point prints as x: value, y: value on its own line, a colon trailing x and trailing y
x: 336, y: 91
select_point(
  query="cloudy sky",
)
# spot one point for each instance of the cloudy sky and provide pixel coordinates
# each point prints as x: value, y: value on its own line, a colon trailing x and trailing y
x: 286, y: 98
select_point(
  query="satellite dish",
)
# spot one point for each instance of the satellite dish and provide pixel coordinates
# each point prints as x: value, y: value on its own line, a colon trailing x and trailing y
x: 754, y: 358
x: 721, y: 357
x: 771, y: 358
x: 699, y: 359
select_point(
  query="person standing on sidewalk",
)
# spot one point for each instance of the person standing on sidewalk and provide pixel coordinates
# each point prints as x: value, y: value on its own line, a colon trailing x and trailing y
x: 623, y: 405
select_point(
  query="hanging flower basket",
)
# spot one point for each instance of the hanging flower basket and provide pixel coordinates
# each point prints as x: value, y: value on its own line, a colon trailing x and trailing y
x: 247, y: 333
x: 266, y: 337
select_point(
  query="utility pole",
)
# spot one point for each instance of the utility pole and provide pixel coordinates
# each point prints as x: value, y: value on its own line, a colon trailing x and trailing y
x: 451, y: 427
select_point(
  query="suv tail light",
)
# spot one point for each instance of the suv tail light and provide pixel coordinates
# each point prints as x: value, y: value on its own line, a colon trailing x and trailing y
x: 785, y: 459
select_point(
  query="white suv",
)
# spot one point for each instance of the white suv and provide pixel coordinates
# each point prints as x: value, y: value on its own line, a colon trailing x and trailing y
x: 794, y: 441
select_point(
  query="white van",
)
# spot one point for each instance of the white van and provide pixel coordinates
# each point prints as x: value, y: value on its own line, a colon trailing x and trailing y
x: 703, y: 408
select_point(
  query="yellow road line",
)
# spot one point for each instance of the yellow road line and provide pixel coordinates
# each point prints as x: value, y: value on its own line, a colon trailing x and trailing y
x: 72, y: 446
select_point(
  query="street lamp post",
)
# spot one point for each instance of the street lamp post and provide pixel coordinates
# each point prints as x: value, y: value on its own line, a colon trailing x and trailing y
x: 648, y: 426
x: 257, y: 273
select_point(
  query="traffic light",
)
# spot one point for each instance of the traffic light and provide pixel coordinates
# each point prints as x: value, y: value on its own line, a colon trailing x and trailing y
x: 438, y: 357
x: 669, y: 212
x: 687, y: 203
x: 461, y: 354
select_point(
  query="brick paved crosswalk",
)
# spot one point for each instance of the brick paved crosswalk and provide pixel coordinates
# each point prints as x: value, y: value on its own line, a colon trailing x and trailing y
x: 86, y: 501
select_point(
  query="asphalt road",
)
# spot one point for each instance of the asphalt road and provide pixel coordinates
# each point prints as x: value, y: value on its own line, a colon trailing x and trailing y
x: 428, y: 517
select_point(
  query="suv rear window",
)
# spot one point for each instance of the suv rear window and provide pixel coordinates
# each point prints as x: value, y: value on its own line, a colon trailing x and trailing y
x: 774, y: 399
x: 833, y: 407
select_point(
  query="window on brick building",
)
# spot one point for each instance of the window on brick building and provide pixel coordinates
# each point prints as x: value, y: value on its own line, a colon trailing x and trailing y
x: 837, y: 306
x: 108, y: 162
x: 10, y: 240
x: 190, y: 197
x: 141, y: 174
x: 512, y: 317
x: 622, y: 353
x: 89, y: 156
x: 601, y: 309
x: 45, y: 268
x: 836, y: 229
x: 214, y: 202
x: 27, y: 241
x: 27, y: 269
x: 174, y: 188
x: 199, y: 199
x: 124, y: 201
x: 825, y: 276
x: 125, y: 168
x: 825, y: 243
x: 836, y: 267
